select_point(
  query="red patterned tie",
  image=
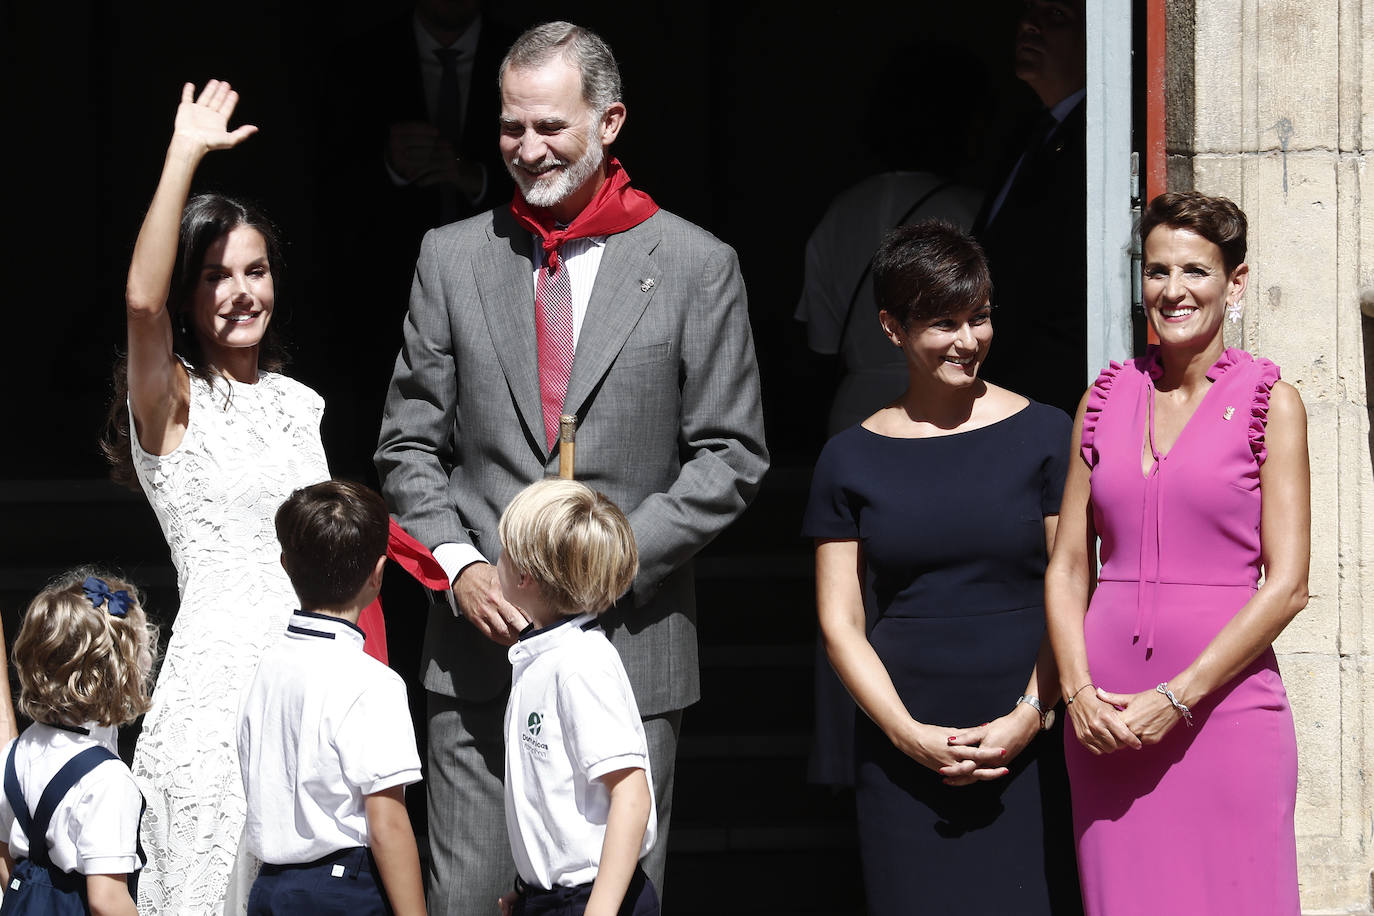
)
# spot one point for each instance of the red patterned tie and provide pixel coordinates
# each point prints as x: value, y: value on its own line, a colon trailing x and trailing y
x: 553, y: 330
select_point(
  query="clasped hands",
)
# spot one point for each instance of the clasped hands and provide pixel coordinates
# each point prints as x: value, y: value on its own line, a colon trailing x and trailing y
x: 968, y: 755
x: 1105, y: 722
x: 419, y: 155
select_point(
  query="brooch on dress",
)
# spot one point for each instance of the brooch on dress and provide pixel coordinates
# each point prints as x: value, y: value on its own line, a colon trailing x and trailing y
x: 1230, y: 411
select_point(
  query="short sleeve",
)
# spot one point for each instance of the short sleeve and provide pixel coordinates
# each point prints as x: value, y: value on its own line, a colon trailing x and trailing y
x: 1268, y: 374
x: 831, y: 511
x: 601, y: 724
x: 818, y: 307
x: 1057, y: 440
x: 103, y: 825
x: 302, y: 401
x: 1097, y: 401
x: 376, y: 740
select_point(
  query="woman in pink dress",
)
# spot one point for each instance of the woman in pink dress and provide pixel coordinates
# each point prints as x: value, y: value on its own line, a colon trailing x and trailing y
x: 1194, y: 475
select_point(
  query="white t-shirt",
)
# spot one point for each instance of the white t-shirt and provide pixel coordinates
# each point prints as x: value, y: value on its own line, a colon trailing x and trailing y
x: 320, y: 726
x: 571, y: 719
x: 94, y: 829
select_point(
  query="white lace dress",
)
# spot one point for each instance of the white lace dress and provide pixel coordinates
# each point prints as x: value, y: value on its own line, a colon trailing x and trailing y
x: 215, y: 497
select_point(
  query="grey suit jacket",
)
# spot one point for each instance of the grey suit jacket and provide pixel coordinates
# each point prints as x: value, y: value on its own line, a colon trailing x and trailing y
x: 665, y: 387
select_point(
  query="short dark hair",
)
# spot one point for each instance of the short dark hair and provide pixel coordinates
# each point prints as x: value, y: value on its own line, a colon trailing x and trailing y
x: 331, y: 535
x: 1217, y: 219
x: 929, y: 270
x: 580, y: 47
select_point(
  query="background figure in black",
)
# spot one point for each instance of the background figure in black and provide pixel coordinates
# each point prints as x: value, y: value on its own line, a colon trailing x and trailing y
x: 409, y: 147
x: 398, y: 163
x: 929, y: 147
x: 1032, y: 224
x: 926, y: 176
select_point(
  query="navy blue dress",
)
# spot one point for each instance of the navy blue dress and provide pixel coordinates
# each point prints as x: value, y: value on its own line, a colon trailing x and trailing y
x: 953, y: 540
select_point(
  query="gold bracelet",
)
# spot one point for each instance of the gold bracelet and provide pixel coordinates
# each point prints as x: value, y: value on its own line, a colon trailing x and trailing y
x: 1069, y: 701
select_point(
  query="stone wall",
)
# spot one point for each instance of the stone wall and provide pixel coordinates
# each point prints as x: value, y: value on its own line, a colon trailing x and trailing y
x: 1265, y: 106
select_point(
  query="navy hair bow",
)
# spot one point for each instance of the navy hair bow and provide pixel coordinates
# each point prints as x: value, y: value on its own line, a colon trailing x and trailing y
x: 98, y: 591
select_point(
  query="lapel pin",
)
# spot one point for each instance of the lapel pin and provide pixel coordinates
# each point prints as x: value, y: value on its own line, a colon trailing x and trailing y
x: 646, y: 285
x: 1229, y: 412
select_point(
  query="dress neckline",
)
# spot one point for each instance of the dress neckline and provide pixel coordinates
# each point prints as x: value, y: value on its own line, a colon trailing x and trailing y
x: 1154, y: 366
x: 949, y: 435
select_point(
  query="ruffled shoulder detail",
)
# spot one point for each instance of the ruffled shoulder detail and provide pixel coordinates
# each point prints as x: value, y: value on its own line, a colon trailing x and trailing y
x: 1266, y: 374
x: 1097, y: 400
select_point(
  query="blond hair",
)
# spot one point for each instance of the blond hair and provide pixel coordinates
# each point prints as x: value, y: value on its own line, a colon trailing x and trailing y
x: 81, y: 663
x: 574, y: 542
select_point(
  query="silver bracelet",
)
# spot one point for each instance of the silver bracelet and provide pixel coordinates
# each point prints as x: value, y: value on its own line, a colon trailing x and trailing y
x: 1046, y: 718
x: 1182, y: 710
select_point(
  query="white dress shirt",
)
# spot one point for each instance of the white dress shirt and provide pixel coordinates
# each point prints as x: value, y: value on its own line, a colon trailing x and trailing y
x: 582, y: 258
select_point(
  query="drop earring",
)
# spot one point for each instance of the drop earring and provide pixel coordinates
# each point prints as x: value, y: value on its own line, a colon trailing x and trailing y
x: 1234, y: 310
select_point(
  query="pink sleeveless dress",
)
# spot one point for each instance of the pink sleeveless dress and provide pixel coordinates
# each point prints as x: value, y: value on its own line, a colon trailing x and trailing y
x: 1203, y: 821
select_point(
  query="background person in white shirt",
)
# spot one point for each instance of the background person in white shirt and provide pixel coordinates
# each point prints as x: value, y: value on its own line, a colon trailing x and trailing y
x: 325, y: 741
x: 579, y: 811
x: 84, y: 654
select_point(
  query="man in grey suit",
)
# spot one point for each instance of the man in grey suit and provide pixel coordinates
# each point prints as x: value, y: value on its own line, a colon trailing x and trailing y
x: 656, y: 360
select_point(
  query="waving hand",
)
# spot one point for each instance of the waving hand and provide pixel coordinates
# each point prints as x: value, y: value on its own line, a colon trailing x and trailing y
x: 205, y: 120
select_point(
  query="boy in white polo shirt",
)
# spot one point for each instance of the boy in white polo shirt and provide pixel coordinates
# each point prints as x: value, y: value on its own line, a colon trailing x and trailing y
x: 326, y: 746
x: 579, y: 811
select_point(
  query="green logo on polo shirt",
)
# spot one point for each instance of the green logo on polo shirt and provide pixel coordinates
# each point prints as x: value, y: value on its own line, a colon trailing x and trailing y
x: 535, y: 723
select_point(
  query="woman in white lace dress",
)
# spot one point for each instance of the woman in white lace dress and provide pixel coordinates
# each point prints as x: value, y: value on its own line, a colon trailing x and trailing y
x: 217, y: 445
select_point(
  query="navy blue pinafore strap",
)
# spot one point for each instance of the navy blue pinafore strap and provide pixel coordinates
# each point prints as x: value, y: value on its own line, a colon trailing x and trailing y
x: 37, y: 887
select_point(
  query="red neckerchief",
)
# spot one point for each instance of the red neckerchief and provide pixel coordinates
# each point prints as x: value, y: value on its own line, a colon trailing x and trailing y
x: 415, y: 559
x: 615, y: 208
x: 412, y: 556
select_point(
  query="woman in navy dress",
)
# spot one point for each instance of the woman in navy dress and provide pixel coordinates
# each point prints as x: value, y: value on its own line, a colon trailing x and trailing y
x: 933, y: 518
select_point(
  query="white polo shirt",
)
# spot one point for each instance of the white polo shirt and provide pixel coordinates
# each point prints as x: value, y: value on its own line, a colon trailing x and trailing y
x: 94, y: 829
x: 571, y: 719
x: 320, y: 726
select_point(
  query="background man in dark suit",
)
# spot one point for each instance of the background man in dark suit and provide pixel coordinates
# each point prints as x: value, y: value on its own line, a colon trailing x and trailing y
x: 1032, y: 225
x: 406, y: 147
x: 663, y: 381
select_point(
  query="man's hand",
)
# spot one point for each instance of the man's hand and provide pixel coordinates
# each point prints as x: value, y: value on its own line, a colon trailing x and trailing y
x: 477, y: 590
x: 417, y: 154
x: 410, y: 149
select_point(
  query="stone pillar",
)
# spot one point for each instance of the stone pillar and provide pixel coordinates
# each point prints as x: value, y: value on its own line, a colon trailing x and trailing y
x: 1265, y: 106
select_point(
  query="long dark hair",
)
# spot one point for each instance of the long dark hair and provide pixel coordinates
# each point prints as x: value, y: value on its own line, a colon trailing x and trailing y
x: 206, y: 219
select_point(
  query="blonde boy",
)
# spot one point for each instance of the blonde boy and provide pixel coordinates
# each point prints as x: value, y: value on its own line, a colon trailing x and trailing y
x: 579, y: 811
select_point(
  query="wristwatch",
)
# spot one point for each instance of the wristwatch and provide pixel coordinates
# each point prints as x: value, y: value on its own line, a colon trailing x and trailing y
x: 1046, y: 718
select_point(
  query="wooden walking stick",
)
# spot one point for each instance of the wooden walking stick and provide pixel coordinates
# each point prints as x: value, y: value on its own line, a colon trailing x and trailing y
x: 567, y: 433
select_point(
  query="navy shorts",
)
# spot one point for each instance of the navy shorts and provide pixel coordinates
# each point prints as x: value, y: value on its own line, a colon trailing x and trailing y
x: 640, y: 898
x: 344, y: 883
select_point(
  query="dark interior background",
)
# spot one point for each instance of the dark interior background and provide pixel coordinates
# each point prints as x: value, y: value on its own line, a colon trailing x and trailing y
x: 745, y: 118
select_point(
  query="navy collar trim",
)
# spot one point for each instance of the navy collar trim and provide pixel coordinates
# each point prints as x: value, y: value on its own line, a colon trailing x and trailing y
x: 329, y: 617
x: 532, y: 631
x: 62, y: 726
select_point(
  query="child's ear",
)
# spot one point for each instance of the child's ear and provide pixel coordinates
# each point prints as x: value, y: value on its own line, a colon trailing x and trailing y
x: 375, y: 580
x: 283, y: 561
